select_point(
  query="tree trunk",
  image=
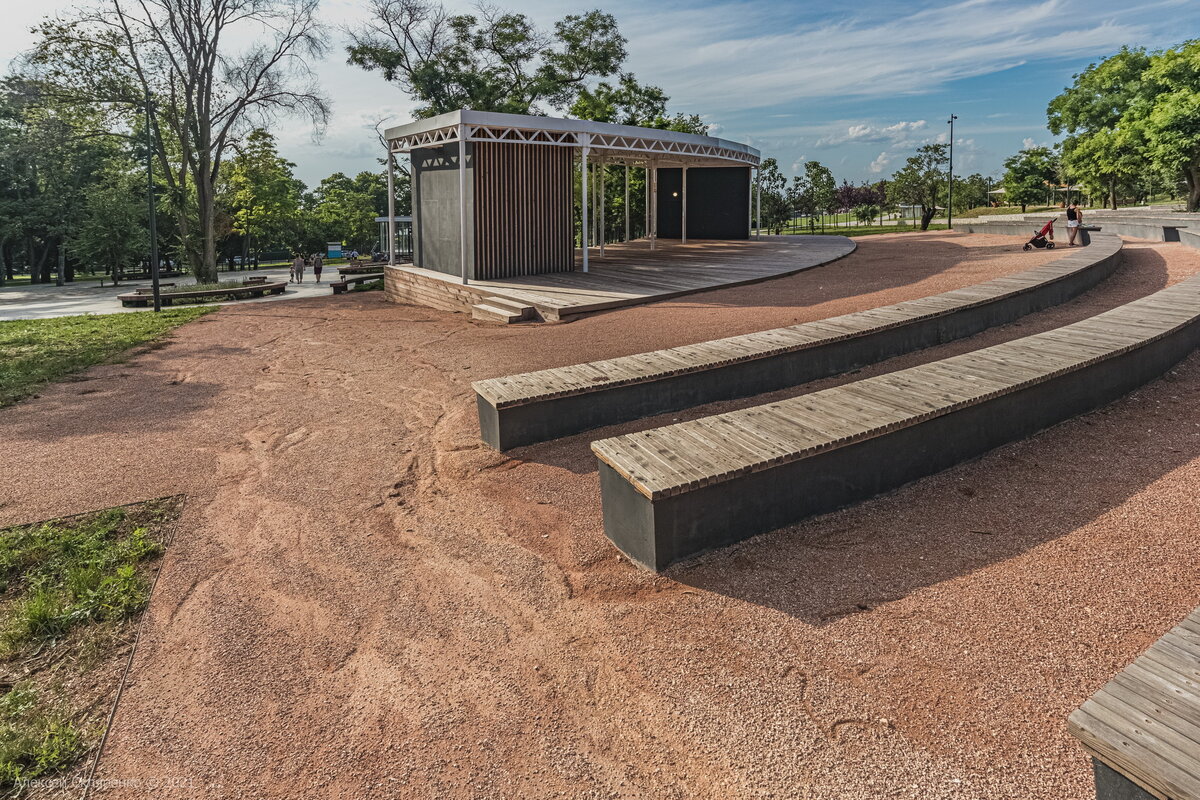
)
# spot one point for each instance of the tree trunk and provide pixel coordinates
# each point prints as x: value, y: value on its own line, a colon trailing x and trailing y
x: 927, y: 217
x: 1192, y: 174
x: 1112, y: 193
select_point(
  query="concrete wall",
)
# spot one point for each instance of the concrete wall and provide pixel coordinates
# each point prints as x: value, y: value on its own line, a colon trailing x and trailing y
x: 551, y: 418
x: 655, y: 534
x: 436, y: 225
x: 718, y: 203
x: 1190, y: 237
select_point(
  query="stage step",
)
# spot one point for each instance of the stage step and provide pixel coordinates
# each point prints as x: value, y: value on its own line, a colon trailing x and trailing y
x: 491, y: 311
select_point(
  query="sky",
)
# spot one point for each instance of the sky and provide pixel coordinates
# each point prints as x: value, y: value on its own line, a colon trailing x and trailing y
x: 858, y: 86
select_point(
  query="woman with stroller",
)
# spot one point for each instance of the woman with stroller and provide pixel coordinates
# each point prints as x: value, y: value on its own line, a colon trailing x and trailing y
x: 1074, y: 220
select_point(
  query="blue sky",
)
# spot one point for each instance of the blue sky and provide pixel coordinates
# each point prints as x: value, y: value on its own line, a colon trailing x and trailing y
x: 857, y: 86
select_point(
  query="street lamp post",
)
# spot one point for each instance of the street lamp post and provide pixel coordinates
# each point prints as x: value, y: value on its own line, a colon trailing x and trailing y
x: 950, y: 178
x: 150, y: 201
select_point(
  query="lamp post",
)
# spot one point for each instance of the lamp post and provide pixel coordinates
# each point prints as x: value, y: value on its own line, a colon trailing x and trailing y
x: 950, y: 177
x: 150, y: 201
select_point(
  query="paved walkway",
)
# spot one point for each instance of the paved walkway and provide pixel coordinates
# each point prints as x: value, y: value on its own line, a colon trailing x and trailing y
x: 43, y: 300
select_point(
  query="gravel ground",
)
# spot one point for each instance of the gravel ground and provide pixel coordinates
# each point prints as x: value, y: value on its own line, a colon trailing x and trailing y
x: 363, y: 601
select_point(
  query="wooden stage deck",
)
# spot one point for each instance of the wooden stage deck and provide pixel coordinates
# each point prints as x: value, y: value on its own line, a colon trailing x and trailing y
x: 1145, y: 723
x: 630, y: 273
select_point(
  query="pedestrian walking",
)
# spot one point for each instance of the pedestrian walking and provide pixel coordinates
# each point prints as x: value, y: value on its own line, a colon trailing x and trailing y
x: 318, y: 263
x: 298, y: 269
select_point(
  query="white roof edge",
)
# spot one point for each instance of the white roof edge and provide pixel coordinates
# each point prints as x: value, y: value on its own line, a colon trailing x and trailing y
x: 531, y: 122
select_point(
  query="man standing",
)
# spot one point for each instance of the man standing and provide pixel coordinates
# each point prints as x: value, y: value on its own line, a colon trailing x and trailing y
x: 298, y: 268
x: 318, y: 263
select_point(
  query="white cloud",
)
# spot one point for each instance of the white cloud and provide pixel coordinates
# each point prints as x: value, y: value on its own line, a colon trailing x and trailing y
x: 756, y: 58
x: 872, y: 134
x: 881, y: 161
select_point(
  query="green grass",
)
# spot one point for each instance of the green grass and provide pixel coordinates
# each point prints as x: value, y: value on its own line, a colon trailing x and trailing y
x: 368, y: 286
x: 63, y: 575
x: 220, y: 286
x: 69, y: 592
x: 984, y: 211
x: 37, y: 737
x: 867, y: 230
x: 35, y: 352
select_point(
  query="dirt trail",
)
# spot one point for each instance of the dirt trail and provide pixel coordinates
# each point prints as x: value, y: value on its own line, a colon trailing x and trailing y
x: 363, y: 601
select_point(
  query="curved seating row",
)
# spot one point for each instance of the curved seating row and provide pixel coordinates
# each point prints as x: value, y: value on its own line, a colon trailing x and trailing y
x: 672, y: 492
x: 537, y: 406
x: 1142, y: 729
x: 1160, y: 228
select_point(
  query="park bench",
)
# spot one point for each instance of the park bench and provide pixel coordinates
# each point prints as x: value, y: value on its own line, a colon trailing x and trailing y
x: 1142, y: 729
x: 139, y: 298
x: 150, y: 289
x: 517, y: 410
x: 346, y: 282
x: 671, y: 492
x: 255, y: 279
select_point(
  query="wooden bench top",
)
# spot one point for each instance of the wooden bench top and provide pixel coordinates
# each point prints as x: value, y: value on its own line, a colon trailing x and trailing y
x: 1145, y: 722
x: 531, y: 387
x: 678, y: 458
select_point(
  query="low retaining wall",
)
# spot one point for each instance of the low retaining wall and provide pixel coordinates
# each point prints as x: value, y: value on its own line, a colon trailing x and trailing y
x: 1190, y: 238
x: 695, y: 494
x: 509, y: 418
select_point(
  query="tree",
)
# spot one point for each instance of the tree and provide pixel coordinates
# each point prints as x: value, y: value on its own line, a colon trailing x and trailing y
x: 1026, y: 175
x: 866, y: 213
x: 776, y: 210
x: 1170, y: 122
x: 496, y: 61
x: 113, y: 233
x: 49, y: 158
x: 206, y: 95
x: 262, y: 195
x: 344, y: 208
x: 921, y: 181
x: 1101, y: 147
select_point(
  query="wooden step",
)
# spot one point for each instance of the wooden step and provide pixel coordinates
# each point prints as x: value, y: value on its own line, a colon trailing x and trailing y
x: 490, y: 313
x: 526, y: 311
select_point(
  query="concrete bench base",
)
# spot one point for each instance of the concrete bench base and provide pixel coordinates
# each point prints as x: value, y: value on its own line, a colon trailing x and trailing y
x: 508, y: 426
x: 657, y: 532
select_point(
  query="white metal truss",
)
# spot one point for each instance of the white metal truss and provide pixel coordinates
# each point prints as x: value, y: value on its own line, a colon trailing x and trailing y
x: 613, y: 148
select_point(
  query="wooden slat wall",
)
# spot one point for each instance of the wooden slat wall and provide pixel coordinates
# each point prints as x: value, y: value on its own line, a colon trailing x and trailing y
x: 522, y: 210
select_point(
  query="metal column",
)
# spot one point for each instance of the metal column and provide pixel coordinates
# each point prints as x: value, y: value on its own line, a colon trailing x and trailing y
x: 602, y: 199
x: 757, y: 203
x: 627, y: 202
x: 583, y: 201
x: 683, y: 198
x: 653, y: 207
x: 462, y: 198
x: 391, y: 222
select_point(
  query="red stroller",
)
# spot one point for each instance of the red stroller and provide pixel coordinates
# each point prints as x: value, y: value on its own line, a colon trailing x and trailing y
x: 1043, y: 238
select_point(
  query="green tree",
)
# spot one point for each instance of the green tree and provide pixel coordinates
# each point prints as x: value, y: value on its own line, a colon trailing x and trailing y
x: 922, y: 181
x: 344, y: 209
x: 262, y: 195
x: 113, y: 233
x: 206, y: 90
x: 776, y: 208
x: 494, y: 61
x: 1026, y: 175
x: 1102, y: 147
x: 1170, y: 120
x: 823, y: 186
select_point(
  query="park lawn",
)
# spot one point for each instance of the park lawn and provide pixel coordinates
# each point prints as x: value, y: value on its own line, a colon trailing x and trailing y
x: 865, y: 230
x: 37, y: 351
x: 71, y: 594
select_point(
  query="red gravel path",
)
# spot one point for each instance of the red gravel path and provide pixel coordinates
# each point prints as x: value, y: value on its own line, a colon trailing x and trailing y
x: 365, y: 602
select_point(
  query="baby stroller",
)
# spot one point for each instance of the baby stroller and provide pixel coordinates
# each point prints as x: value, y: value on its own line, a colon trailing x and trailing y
x: 1040, y: 239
